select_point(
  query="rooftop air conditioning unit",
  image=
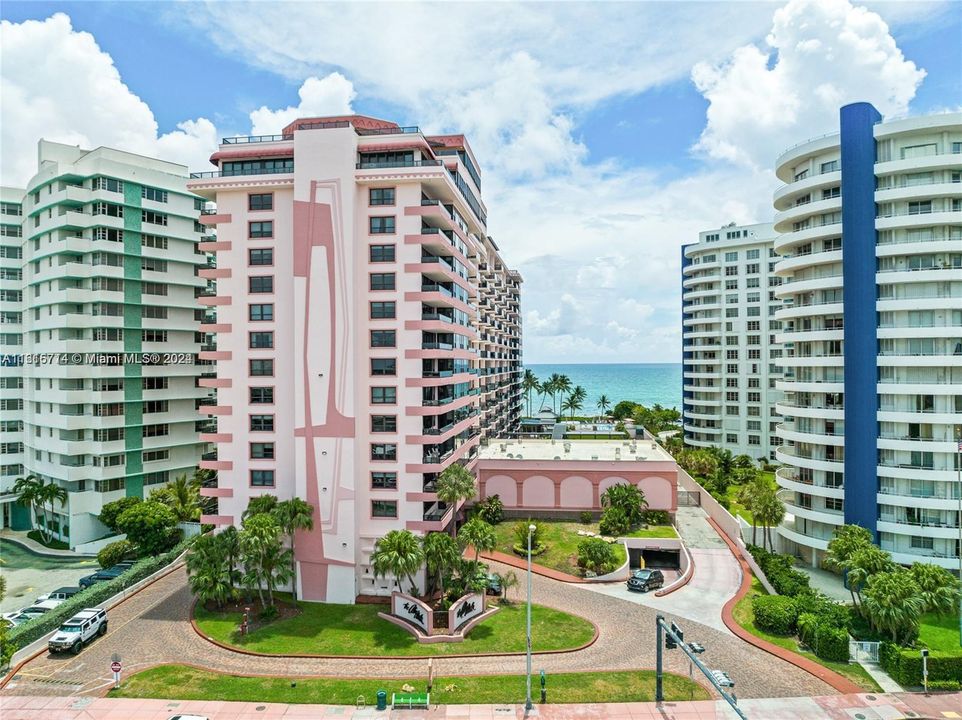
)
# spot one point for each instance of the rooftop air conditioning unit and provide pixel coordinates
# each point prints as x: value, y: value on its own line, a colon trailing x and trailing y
x: 557, y: 457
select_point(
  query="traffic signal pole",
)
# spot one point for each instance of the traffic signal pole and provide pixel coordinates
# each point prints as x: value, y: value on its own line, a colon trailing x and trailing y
x: 665, y: 631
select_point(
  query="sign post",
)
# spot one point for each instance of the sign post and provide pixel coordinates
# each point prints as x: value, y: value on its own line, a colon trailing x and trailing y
x: 115, y: 668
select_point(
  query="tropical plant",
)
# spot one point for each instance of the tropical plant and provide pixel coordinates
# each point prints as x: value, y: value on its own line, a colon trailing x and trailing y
x: 150, y: 525
x: 113, y: 510
x: 551, y: 387
x: 455, y: 484
x: 596, y: 555
x: 628, y: 498
x: 529, y: 384
x: 563, y: 386
x: 865, y: 563
x: 571, y: 406
x: 441, y: 556
x: 613, y: 522
x: 113, y: 553
x: 491, y: 509
x: 893, y: 603
x: 182, y: 496
x: 521, y: 529
x: 28, y: 490
x: 750, y: 495
x: 508, y: 580
x: 7, y: 648
x: 262, y: 504
x: 266, y: 562
x: 51, y: 494
x: 603, y: 404
x: 623, y: 409
x: 770, y: 511
x: 293, y: 515
x: 479, y: 535
x: 398, y: 553
x: 845, y: 542
x: 938, y: 588
x: 209, y: 572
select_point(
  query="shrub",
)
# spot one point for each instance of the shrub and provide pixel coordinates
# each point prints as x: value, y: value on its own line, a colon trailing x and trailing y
x: 945, y: 685
x: 111, y: 511
x: 521, y: 534
x: 596, y: 555
x: 23, y: 635
x: 586, y: 517
x: 656, y: 517
x: 268, y: 613
x: 831, y: 643
x: 905, y: 665
x: 150, y: 526
x: 113, y: 553
x: 491, y: 509
x: 613, y: 522
x: 775, y: 614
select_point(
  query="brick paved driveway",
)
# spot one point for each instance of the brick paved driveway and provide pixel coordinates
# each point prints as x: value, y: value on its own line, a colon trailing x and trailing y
x: 152, y: 628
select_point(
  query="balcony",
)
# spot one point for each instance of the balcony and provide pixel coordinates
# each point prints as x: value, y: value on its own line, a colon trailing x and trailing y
x: 396, y: 164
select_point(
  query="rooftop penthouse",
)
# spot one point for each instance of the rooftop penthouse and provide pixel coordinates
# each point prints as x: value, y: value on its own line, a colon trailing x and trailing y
x: 576, y: 450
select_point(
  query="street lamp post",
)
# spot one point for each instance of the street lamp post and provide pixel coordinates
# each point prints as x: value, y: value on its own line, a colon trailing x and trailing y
x: 527, y: 700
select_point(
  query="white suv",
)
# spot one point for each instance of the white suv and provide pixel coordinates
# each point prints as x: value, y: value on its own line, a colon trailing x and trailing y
x: 79, y: 630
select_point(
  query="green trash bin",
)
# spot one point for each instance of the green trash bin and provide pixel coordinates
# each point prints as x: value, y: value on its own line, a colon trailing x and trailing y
x: 381, y: 700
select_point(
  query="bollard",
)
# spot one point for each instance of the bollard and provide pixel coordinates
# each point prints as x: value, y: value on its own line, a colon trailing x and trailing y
x: 381, y: 700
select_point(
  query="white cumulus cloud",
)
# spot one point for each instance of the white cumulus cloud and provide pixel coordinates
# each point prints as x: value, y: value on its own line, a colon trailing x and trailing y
x: 819, y: 55
x: 330, y: 95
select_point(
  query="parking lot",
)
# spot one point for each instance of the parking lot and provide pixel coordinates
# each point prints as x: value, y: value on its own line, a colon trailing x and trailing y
x: 29, y: 575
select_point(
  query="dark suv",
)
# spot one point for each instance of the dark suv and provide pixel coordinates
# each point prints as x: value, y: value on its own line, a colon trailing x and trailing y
x: 106, y: 574
x: 645, y: 580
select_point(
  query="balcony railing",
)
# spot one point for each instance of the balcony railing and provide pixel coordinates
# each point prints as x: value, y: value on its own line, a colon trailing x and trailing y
x: 397, y: 164
x: 248, y: 139
x: 241, y: 171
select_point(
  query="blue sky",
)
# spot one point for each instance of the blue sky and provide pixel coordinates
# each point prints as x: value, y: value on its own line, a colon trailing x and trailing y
x: 609, y: 134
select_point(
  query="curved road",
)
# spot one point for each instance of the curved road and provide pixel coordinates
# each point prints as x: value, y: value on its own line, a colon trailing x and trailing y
x: 152, y: 628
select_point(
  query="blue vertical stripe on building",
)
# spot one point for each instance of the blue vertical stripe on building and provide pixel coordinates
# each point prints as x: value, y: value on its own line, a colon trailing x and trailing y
x: 857, y: 122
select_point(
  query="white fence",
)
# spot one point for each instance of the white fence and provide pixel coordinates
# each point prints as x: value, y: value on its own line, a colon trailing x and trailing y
x: 862, y: 651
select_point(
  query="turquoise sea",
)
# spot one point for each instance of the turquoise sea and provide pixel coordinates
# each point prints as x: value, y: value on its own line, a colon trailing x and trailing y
x: 645, y: 383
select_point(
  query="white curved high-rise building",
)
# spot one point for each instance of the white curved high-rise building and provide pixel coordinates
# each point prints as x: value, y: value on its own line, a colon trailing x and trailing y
x: 870, y: 235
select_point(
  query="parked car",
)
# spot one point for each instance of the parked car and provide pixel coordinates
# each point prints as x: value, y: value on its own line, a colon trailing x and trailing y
x: 493, y: 584
x: 645, y: 580
x: 31, y: 611
x: 79, y: 630
x: 105, y: 574
x: 64, y: 593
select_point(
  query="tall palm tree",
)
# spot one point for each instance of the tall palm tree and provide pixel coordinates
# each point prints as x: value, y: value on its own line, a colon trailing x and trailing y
x: 603, y: 404
x: 208, y: 572
x: 51, y: 493
x: 893, y: 603
x: 552, y: 387
x: 293, y: 515
x: 260, y: 541
x: 455, y: 484
x: 399, y: 553
x: 28, y: 494
x: 938, y: 588
x: 529, y: 384
x: 440, y: 555
x: 770, y: 512
x: 563, y: 386
x: 480, y: 535
x: 182, y: 496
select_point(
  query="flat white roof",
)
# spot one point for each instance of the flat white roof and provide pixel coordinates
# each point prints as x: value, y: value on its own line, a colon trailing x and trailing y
x: 577, y: 450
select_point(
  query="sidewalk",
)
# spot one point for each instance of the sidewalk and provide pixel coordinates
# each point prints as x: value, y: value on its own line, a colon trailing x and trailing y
x: 840, y: 707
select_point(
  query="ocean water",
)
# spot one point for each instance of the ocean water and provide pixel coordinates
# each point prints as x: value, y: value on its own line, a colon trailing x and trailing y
x: 645, y: 383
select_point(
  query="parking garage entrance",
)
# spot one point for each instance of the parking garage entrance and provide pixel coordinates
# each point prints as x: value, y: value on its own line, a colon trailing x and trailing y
x: 667, y: 559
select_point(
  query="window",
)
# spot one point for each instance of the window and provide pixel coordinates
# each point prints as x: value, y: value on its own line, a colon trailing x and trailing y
x: 154, y: 336
x: 109, y: 184
x: 262, y: 478
x: 154, y: 406
x: 731, y: 256
x: 258, y: 167
x: 261, y: 257
x: 262, y: 312
x: 731, y: 396
x: 383, y: 451
x: 920, y: 207
x: 382, y: 225
x: 754, y: 440
x: 262, y: 229
x: 384, y: 508
x: 382, y: 281
x: 383, y: 338
x: 752, y: 254
x: 383, y: 366
x: 159, y: 430
x: 260, y: 284
x: 262, y: 423
x: 383, y: 423
x: 158, y: 242
x: 155, y: 312
x: 108, y: 334
x: 260, y: 201
x: 382, y: 310
x: 833, y: 192
x: 152, y: 288
x: 751, y: 268
x: 384, y: 480
x: 382, y: 253
x: 262, y: 395
x: 922, y: 543
x: 834, y: 504
x: 153, y: 218
x: 731, y: 438
x: 381, y: 196
x: 262, y: 368
x: 154, y: 455
x: 149, y: 193
x: 731, y: 270
x: 262, y: 451
x: 827, y: 167
x: 383, y: 395
x: 914, y: 151
x: 261, y: 340
x: 731, y: 284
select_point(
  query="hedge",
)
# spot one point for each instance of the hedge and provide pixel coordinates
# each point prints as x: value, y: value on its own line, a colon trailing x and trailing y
x: 775, y: 614
x: 945, y: 685
x: 905, y: 665
x: 23, y: 635
x: 780, y: 571
x: 831, y: 643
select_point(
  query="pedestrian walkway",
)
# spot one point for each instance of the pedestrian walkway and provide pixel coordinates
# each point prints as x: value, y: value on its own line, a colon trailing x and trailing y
x: 883, y: 679
x: 692, y: 524
x: 835, y: 707
x: 827, y: 583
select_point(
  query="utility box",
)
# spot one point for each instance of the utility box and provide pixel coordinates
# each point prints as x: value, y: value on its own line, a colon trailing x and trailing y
x: 381, y: 700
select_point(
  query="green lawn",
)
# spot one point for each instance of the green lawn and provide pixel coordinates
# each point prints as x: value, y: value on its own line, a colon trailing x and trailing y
x: 53, y: 544
x: 177, y: 682
x: 323, y: 629
x: 562, y: 540
x: 735, y: 507
x: 940, y: 633
x: 742, y: 612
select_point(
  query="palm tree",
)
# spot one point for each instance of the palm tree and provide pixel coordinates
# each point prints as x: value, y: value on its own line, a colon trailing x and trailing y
x: 847, y: 540
x: 770, y: 512
x: 569, y: 406
x: 50, y: 493
x: 551, y: 387
x: 229, y: 540
x: 440, y: 555
x: 259, y: 505
x: 28, y: 490
x: 628, y: 498
x: 182, y: 496
x: 862, y: 565
x: 477, y: 533
x: 208, y: 572
x: 563, y: 386
x: 260, y: 541
x: 508, y: 581
x: 893, y: 603
x: 293, y: 515
x: 399, y: 553
x: 603, y: 404
x: 938, y: 588
x: 529, y: 384
x: 455, y: 484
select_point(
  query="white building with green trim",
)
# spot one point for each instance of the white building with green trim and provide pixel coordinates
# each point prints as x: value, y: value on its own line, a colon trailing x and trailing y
x: 109, y: 278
